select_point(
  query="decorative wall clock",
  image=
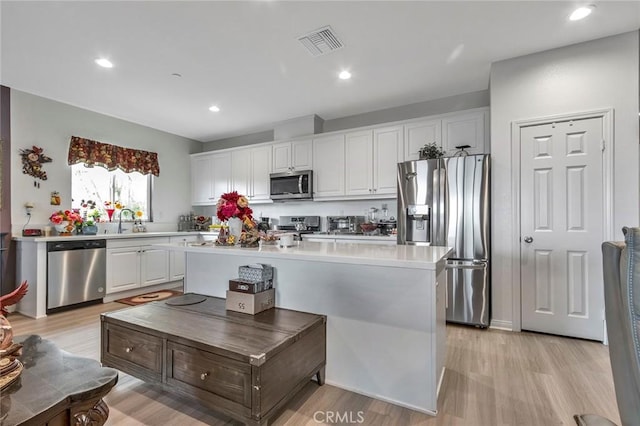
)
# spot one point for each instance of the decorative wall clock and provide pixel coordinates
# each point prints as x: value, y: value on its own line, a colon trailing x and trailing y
x: 32, y: 160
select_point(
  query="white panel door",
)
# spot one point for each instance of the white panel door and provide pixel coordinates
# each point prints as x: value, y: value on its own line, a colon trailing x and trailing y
x: 302, y: 155
x: 562, y: 228
x: 241, y: 171
x: 328, y: 166
x: 201, y: 181
x: 154, y: 266
x: 464, y: 129
x: 281, y: 157
x: 359, y: 163
x: 416, y: 135
x: 123, y: 269
x: 260, y: 170
x: 221, y: 175
x: 387, y: 153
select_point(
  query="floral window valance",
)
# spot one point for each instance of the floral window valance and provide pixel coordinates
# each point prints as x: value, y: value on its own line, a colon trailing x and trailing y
x: 112, y: 157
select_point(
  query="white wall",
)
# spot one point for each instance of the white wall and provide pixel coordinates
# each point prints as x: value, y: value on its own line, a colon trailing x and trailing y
x: 587, y: 76
x: 50, y: 124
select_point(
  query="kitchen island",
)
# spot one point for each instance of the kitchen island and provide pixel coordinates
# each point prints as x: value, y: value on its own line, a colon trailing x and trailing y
x: 385, y: 308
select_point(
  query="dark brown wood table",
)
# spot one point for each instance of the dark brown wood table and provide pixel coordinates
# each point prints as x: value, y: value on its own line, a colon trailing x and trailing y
x: 56, y: 388
x: 245, y: 366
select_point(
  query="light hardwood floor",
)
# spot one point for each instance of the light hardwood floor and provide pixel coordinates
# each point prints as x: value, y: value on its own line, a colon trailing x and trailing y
x: 493, y: 378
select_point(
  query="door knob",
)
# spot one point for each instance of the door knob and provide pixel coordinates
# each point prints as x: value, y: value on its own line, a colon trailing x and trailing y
x: 528, y: 239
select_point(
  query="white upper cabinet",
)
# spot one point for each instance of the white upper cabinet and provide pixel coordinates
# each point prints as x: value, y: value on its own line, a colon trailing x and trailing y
x: 359, y: 163
x: 294, y: 155
x: 465, y: 129
x: 250, y: 169
x: 201, y: 180
x: 328, y: 166
x: 371, y: 161
x: 260, y: 171
x: 387, y: 153
x: 221, y: 175
x: 210, y: 175
x: 241, y: 171
x: 419, y: 133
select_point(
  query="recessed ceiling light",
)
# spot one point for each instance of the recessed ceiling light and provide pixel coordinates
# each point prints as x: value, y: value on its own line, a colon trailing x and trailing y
x: 214, y: 108
x: 104, y: 62
x: 344, y: 75
x: 581, y: 12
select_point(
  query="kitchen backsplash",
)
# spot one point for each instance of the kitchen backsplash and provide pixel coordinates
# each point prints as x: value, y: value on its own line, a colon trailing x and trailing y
x: 312, y: 208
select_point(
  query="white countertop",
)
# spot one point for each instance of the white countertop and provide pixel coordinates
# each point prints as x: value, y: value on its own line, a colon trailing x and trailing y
x: 419, y: 257
x: 112, y: 236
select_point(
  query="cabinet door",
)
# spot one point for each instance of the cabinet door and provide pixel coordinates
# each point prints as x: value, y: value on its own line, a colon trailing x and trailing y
x: 201, y: 180
x: 154, y: 266
x: 123, y: 269
x: 281, y: 157
x: 464, y: 129
x: 417, y: 134
x: 359, y: 163
x: 302, y: 155
x: 387, y: 153
x: 261, y: 168
x: 241, y: 171
x: 328, y: 166
x: 221, y: 173
x: 177, y: 258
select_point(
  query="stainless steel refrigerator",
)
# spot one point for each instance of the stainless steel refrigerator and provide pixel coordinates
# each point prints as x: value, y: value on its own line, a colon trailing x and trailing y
x: 445, y: 202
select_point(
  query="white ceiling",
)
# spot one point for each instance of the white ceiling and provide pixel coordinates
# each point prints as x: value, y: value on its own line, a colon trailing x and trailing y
x: 245, y: 57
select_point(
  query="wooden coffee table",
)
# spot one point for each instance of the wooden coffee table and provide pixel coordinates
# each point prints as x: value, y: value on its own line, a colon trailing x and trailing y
x: 245, y: 366
x: 56, y: 388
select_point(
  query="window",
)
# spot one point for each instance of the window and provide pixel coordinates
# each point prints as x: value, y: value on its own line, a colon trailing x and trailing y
x: 133, y: 190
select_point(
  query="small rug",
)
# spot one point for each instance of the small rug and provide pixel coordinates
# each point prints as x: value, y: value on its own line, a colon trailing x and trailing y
x: 149, y: 297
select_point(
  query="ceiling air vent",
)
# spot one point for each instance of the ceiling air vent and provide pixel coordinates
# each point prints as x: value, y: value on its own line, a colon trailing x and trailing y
x: 321, y: 41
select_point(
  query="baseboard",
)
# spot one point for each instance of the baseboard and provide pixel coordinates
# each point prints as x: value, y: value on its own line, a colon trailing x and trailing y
x: 381, y: 398
x: 173, y: 285
x: 501, y: 325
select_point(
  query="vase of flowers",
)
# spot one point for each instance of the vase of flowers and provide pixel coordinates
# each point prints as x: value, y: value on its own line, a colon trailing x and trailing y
x: 234, y: 209
x: 65, y: 221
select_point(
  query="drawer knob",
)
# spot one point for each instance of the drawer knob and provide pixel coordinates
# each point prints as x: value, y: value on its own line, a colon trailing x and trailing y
x: 127, y: 350
x: 204, y: 376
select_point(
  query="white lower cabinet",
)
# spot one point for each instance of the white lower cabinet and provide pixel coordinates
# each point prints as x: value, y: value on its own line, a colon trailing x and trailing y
x: 133, y: 263
x: 177, y: 258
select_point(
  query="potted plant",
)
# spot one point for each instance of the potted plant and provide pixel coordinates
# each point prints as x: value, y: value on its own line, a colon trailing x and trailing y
x: 431, y: 150
x: 90, y: 225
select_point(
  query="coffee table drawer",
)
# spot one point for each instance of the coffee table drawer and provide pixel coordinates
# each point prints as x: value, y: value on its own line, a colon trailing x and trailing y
x: 141, y: 349
x: 224, y: 377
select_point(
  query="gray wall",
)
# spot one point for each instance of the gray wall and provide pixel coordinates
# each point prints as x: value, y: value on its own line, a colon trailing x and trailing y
x: 587, y: 76
x: 249, y: 139
x: 405, y: 112
x: 50, y: 125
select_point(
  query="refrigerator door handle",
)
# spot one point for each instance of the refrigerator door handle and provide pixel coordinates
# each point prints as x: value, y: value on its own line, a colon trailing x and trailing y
x: 474, y: 261
x: 466, y: 266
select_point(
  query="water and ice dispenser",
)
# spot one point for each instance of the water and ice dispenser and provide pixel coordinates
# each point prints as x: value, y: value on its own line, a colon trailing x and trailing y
x: 418, y: 223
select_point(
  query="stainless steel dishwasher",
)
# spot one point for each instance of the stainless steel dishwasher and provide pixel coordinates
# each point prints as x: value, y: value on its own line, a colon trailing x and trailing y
x: 76, y: 272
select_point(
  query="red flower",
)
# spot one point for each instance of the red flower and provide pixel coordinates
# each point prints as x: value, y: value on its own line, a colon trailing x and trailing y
x: 233, y: 204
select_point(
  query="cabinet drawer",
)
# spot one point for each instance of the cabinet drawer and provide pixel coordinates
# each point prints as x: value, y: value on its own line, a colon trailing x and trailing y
x: 224, y: 377
x: 143, y: 350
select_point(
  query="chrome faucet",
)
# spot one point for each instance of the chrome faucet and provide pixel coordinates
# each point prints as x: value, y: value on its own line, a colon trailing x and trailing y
x: 120, y: 219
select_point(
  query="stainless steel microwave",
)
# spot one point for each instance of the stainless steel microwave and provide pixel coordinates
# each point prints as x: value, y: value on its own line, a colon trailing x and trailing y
x: 296, y: 185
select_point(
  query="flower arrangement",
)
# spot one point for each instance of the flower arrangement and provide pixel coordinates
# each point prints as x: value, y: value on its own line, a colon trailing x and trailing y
x: 65, y: 216
x: 233, y: 204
